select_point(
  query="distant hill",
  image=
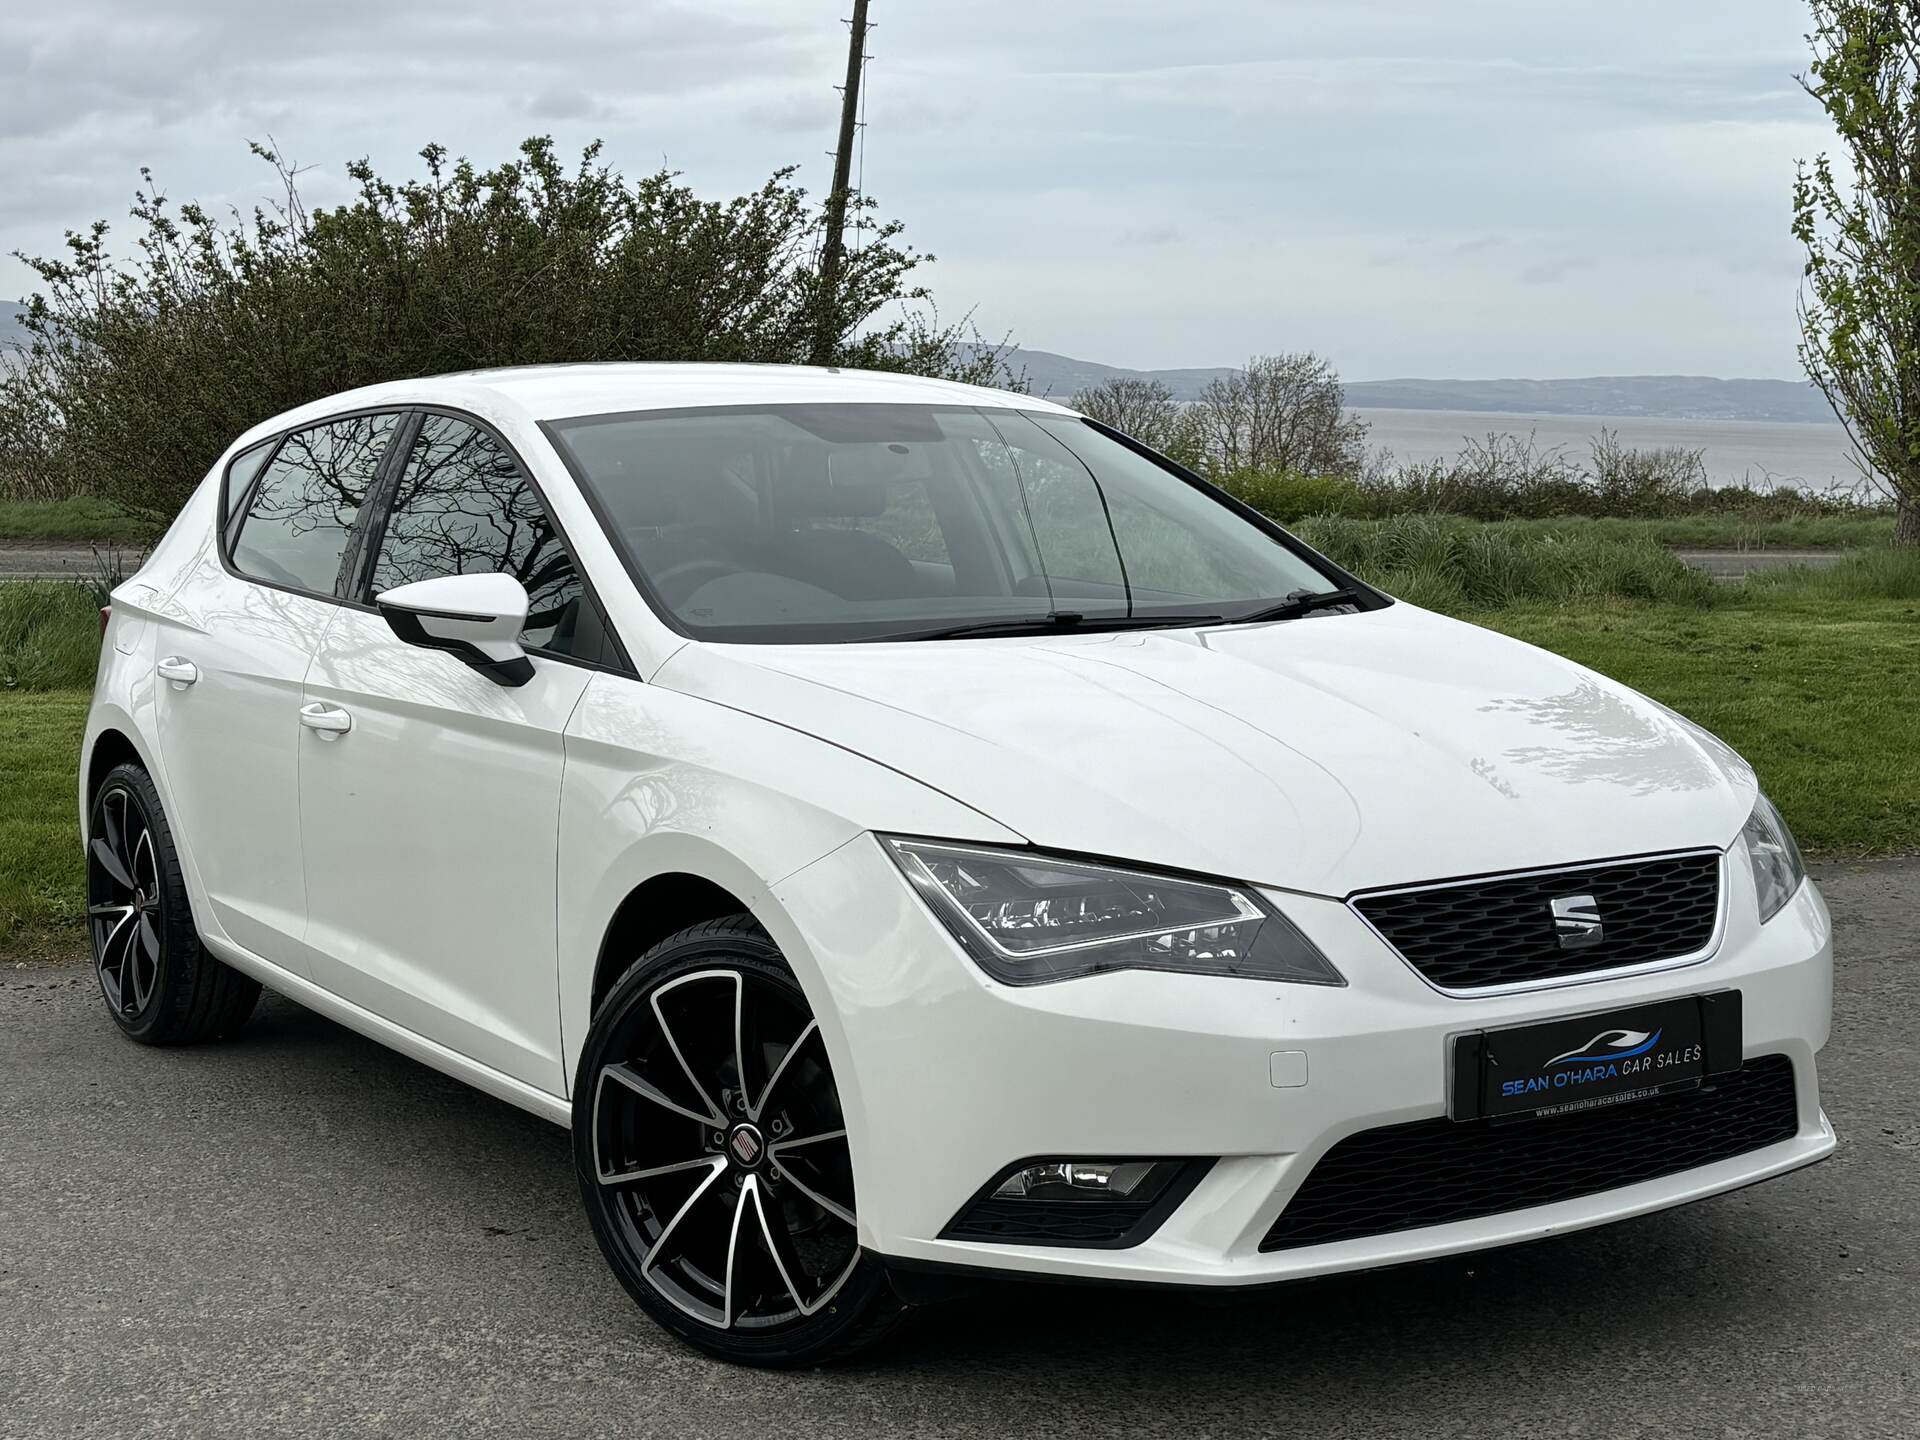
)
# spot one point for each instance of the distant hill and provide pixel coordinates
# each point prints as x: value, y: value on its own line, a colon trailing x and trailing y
x: 1058, y: 376
x: 1676, y: 397
x: 1670, y: 397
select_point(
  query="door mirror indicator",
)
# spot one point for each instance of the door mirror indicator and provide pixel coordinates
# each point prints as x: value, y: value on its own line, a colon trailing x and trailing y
x: 476, y: 618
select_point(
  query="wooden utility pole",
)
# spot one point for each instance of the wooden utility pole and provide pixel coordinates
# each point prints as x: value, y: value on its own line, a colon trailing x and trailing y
x: 833, y: 247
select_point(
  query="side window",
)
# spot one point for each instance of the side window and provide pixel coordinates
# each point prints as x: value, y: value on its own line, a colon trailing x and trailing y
x: 462, y: 507
x: 240, y: 475
x: 296, y: 530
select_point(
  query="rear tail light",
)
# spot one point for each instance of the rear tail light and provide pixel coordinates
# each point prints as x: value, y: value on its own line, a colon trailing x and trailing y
x: 106, y: 612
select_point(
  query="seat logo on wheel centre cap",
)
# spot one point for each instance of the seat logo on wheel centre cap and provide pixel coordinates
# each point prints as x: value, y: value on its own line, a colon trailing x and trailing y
x: 746, y: 1145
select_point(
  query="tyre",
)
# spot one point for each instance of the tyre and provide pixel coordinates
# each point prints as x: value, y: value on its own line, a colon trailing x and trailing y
x: 713, y: 1159
x: 160, y: 984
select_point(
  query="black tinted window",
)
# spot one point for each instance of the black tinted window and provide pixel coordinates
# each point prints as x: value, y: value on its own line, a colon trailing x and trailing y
x: 807, y: 523
x: 463, y: 508
x: 295, y: 532
x: 240, y: 475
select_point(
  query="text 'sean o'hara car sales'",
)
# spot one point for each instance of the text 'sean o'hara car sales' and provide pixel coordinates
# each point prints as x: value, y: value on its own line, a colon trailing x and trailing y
x: 908, y: 830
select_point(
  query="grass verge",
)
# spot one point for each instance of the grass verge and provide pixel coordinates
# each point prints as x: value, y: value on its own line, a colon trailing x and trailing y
x: 49, y: 635
x: 82, y: 520
x: 1809, y: 693
x: 42, y: 899
x: 1460, y: 565
x: 1806, y: 672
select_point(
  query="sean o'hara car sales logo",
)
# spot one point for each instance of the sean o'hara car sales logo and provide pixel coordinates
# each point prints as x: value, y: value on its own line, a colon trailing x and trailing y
x: 1610, y: 1055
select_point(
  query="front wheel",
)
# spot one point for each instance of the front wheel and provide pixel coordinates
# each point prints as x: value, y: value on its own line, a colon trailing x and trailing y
x: 712, y: 1155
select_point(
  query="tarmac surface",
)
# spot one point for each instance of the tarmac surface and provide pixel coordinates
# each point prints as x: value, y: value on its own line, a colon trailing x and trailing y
x: 300, y: 1233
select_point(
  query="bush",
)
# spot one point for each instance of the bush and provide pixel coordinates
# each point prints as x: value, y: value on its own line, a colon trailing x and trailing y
x: 139, y: 374
x: 1287, y: 496
x: 1509, y: 477
x: 1446, y: 563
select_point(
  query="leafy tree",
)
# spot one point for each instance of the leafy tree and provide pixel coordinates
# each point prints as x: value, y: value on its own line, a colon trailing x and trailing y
x: 1146, y: 410
x: 1281, y: 413
x: 138, y: 374
x: 1860, y: 223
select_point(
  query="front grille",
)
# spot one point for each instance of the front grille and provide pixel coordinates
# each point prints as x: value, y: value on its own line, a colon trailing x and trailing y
x: 1433, y: 1172
x: 1473, y: 934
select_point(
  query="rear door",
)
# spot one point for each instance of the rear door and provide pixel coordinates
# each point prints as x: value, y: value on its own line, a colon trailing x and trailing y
x: 431, y: 823
x: 232, y: 654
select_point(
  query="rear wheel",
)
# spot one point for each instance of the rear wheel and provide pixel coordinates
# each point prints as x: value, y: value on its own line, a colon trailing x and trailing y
x: 160, y: 984
x: 713, y: 1158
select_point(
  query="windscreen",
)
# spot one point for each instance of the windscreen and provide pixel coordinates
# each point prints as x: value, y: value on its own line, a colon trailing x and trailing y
x: 814, y: 523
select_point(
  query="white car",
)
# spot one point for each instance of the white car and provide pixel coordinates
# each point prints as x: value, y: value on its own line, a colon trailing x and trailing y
x: 909, y: 831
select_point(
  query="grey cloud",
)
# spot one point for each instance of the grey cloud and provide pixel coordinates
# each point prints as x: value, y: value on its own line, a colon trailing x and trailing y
x: 1484, y: 189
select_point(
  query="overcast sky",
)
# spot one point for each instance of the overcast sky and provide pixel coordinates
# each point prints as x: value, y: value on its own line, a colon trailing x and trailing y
x: 1474, y: 188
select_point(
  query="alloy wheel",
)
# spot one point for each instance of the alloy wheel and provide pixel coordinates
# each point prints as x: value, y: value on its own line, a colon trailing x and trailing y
x: 124, y: 900
x: 720, y: 1154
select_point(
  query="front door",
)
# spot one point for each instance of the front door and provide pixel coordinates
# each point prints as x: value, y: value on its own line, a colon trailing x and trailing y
x: 431, y: 821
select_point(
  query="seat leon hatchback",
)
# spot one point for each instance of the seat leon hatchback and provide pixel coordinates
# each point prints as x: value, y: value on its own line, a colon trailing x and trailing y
x: 909, y: 830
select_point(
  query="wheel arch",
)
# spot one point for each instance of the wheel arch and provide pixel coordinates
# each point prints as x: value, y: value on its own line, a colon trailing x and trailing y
x: 659, y: 906
x: 111, y: 747
x: 662, y: 885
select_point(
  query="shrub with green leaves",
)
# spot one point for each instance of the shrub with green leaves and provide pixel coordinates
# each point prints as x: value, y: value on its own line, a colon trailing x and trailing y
x: 140, y: 372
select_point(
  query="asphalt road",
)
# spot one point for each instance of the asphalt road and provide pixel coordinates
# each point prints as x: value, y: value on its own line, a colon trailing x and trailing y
x: 300, y: 1233
x: 31, y: 560
x: 1738, y: 564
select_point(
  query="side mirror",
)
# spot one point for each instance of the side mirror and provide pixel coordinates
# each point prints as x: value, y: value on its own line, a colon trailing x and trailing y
x: 477, y: 618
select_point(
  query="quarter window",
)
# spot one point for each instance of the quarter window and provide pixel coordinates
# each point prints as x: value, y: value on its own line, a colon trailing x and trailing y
x: 462, y: 507
x: 296, y: 530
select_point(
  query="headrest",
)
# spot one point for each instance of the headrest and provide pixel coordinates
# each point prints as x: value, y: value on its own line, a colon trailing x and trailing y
x: 819, y: 482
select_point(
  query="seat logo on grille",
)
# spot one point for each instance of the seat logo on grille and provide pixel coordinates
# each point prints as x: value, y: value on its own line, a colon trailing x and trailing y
x: 1576, y: 919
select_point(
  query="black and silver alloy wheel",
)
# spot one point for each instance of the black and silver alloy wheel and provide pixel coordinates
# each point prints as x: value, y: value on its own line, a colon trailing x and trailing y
x: 124, y: 900
x: 160, y: 984
x: 714, y: 1159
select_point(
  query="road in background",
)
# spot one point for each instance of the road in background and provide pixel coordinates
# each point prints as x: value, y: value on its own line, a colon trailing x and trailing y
x: 301, y: 1233
x: 30, y: 560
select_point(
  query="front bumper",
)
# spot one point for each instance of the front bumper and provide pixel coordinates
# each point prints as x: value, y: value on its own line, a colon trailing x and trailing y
x: 947, y: 1077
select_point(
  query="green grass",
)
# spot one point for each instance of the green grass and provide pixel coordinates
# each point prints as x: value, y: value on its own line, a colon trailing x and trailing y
x: 42, y: 900
x: 81, y: 521
x: 1812, y: 694
x: 1456, y: 565
x: 1808, y: 673
x: 1731, y: 532
x: 49, y: 635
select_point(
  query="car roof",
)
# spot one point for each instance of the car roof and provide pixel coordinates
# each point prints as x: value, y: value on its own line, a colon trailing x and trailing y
x: 556, y: 392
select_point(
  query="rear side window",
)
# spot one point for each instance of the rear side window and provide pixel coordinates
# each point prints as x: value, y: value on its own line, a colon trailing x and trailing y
x: 240, y: 475
x: 296, y: 530
x: 462, y: 507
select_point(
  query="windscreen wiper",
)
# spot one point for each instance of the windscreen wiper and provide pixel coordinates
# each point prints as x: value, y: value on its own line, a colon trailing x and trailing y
x: 1056, y: 622
x: 1303, y: 602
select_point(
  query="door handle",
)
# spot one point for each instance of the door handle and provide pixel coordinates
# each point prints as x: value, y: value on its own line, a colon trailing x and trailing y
x: 181, y: 671
x: 330, y: 720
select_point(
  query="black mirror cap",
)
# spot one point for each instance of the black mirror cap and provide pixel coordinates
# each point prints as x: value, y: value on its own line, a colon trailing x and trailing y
x: 406, y: 626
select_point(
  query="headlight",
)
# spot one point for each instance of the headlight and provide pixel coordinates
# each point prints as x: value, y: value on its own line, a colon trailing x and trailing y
x: 1777, y: 867
x: 1029, y: 918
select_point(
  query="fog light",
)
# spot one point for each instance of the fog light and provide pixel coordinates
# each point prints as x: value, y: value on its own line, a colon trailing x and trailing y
x: 1100, y: 1203
x: 1079, y: 1180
